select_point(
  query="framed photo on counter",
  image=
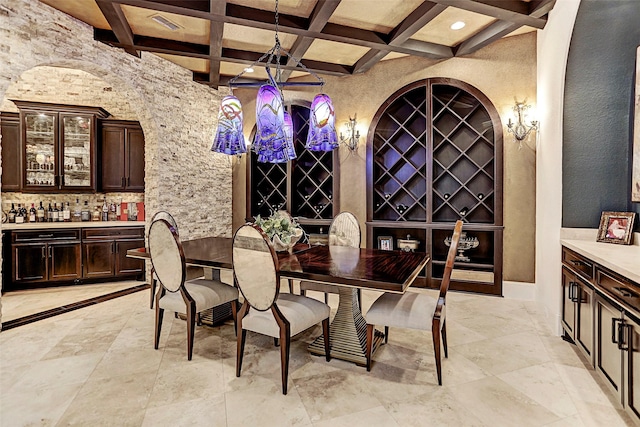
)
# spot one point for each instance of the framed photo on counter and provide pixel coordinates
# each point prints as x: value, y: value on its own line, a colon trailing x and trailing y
x: 616, y: 227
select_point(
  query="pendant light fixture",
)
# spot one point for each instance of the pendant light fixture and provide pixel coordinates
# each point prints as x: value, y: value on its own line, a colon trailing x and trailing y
x: 229, y: 137
x: 273, y: 140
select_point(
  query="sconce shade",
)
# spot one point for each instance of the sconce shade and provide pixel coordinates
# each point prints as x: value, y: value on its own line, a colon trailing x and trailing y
x: 322, y: 130
x: 229, y: 138
x: 270, y: 141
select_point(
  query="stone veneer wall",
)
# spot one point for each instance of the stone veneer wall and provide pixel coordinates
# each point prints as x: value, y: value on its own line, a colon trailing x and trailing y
x: 177, y: 115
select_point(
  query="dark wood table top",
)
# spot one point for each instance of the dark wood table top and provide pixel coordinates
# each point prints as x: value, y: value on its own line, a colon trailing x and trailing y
x: 391, y: 271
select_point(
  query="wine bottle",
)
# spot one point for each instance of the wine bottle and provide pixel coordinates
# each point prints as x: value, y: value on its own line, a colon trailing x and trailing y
x: 77, y: 212
x: 85, y: 213
x: 66, y: 213
x: 50, y: 213
x: 32, y: 213
x: 19, y: 215
x: 40, y: 213
x: 56, y: 213
x: 105, y: 210
x: 12, y: 213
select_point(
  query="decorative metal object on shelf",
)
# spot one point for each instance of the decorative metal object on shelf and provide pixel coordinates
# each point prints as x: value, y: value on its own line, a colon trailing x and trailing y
x: 408, y: 244
x: 465, y: 244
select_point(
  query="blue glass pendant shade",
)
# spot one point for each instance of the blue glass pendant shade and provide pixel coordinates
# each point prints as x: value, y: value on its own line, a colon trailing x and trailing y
x: 270, y: 140
x: 229, y: 137
x: 322, y: 129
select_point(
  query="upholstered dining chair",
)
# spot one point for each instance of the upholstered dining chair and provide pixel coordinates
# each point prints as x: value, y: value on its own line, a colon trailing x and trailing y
x: 266, y: 310
x: 176, y: 294
x: 411, y: 310
x: 192, y: 271
x: 344, y: 231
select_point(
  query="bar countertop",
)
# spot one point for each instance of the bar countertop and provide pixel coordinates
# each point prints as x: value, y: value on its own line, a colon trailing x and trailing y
x: 622, y: 259
x: 58, y: 225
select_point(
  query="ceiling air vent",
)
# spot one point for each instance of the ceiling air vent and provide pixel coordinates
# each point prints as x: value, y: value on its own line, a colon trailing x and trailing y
x: 165, y: 22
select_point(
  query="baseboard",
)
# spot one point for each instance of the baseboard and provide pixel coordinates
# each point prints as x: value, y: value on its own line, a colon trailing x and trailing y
x: 519, y: 290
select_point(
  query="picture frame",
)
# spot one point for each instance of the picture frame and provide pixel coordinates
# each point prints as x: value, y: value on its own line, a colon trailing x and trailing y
x: 385, y: 243
x: 616, y: 227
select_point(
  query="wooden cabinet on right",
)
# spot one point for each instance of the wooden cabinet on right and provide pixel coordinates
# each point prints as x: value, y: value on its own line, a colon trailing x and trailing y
x: 122, y: 156
x: 105, y: 251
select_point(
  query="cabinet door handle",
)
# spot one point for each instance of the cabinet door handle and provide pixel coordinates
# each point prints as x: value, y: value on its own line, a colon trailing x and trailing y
x: 615, y: 332
x: 44, y: 255
x: 50, y: 251
x: 579, y: 263
x: 124, y: 181
x: 573, y: 291
x: 45, y: 236
x: 624, y: 340
x: 62, y: 180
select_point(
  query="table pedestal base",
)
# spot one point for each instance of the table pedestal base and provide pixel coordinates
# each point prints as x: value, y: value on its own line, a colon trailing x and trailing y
x: 348, y: 331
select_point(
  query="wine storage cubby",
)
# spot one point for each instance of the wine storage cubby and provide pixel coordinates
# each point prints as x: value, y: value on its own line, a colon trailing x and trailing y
x: 435, y: 157
x: 307, y: 187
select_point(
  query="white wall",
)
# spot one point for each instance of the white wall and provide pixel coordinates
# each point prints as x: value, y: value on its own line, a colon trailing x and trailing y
x: 553, y: 50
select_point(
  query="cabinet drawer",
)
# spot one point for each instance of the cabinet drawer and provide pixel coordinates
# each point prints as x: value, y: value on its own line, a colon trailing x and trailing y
x: 577, y: 263
x: 113, y: 233
x: 40, y: 235
x: 622, y: 291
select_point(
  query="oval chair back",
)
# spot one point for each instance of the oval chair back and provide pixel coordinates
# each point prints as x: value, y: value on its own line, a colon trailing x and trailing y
x: 345, y: 230
x: 167, y: 217
x: 167, y: 255
x: 255, y: 267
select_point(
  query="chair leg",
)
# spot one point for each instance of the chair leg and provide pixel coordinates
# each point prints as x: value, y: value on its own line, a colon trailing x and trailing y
x: 435, y: 330
x: 234, y: 314
x: 370, y: 329
x: 153, y: 285
x: 275, y: 342
x: 198, y: 319
x: 159, y: 315
x: 444, y: 338
x: 290, y: 285
x: 326, y: 298
x: 241, y: 337
x: 360, y: 298
x: 386, y: 334
x: 191, y: 326
x: 327, y: 339
x: 285, y: 339
x: 240, y: 352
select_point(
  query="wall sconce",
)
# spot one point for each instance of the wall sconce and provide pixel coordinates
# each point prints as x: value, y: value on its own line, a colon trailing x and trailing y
x: 521, y: 130
x: 353, y: 135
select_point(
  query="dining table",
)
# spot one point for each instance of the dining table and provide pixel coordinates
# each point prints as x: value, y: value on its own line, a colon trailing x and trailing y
x: 350, y: 268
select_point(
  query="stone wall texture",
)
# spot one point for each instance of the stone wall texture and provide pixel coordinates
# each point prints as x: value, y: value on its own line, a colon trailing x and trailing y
x: 177, y: 115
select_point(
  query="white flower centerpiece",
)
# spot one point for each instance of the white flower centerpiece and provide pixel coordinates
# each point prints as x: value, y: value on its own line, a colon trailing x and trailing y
x: 282, y: 229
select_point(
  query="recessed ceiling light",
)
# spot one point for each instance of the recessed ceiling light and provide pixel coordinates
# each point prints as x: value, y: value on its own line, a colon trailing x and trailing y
x: 165, y: 22
x: 248, y: 70
x: 458, y: 25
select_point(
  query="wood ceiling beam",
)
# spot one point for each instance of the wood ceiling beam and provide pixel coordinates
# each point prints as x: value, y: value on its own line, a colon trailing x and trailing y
x: 318, y: 19
x: 193, y: 50
x: 118, y: 23
x: 256, y: 18
x: 500, y: 29
x: 420, y: 17
x: 216, y: 30
x: 514, y: 11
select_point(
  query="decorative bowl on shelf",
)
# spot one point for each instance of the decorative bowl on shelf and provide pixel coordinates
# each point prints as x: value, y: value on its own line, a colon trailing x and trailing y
x: 408, y: 244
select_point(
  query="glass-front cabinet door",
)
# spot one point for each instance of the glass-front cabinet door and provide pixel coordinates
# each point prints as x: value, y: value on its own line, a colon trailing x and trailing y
x: 40, y: 149
x: 59, y: 146
x: 76, y: 150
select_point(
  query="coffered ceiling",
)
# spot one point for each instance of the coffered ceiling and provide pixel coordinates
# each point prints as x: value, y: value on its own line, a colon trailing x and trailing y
x: 218, y: 39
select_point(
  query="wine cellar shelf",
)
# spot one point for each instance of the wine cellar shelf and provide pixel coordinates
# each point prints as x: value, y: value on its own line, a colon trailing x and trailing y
x: 307, y: 187
x: 436, y: 157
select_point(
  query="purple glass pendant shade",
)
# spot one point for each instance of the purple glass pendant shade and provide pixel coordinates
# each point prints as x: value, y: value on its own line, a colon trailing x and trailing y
x: 229, y: 137
x: 270, y: 139
x: 322, y: 129
x: 288, y: 133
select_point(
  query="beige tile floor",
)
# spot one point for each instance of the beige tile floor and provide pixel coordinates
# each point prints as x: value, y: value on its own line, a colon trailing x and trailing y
x: 97, y: 367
